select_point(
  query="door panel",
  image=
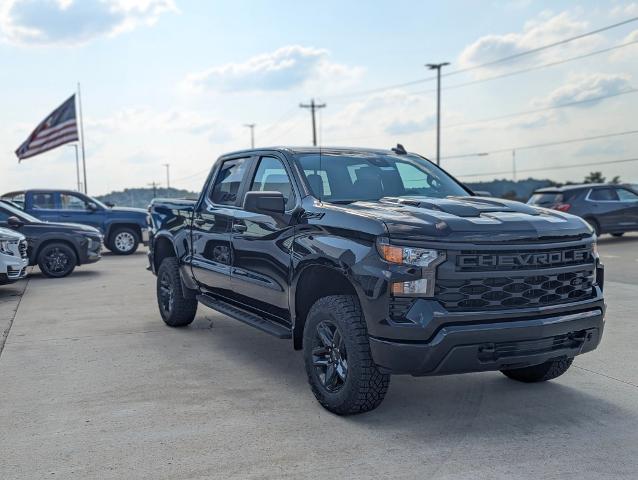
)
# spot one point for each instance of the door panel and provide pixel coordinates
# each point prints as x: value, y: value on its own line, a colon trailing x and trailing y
x: 212, y: 220
x: 211, y: 247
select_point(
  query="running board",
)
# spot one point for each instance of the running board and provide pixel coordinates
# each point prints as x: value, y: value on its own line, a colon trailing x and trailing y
x: 248, y: 318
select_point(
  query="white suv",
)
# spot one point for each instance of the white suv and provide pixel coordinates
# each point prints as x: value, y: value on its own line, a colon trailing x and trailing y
x: 13, y: 256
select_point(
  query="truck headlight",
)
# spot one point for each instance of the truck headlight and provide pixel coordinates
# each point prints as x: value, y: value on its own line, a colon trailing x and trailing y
x: 426, y: 258
x: 4, y: 246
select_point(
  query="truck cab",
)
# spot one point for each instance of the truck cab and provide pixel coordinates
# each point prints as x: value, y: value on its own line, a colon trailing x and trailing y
x: 123, y: 228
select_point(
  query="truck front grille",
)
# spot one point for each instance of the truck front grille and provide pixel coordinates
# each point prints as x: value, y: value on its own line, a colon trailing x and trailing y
x: 515, y: 291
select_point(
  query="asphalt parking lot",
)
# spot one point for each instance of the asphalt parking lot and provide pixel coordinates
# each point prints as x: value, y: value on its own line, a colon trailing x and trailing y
x: 93, y: 385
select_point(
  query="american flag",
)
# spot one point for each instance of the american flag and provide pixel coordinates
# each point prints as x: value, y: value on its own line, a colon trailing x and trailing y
x: 58, y: 128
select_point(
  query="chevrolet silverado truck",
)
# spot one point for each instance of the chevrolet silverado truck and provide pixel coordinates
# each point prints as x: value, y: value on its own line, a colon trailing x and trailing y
x: 123, y: 228
x: 378, y: 262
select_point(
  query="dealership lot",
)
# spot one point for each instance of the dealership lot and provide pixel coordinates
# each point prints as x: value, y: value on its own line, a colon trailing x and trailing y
x: 93, y: 385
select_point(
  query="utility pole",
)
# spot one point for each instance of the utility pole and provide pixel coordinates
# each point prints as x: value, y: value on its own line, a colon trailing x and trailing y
x: 252, y: 133
x: 437, y: 67
x: 514, y: 165
x: 313, y: 108
x: 154, y: 185
x: 168, y: 174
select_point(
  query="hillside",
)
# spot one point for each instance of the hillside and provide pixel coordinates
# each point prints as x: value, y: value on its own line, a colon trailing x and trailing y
x: 141, y: 197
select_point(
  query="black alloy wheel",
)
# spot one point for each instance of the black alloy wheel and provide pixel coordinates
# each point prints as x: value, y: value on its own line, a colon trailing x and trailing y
x: 166, y: 294
x: 329, y: 356
x: 57, y: 260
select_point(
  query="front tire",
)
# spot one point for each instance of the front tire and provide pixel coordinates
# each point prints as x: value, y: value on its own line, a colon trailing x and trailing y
x: 594, y: 225
x: 176, y: 308
x: 540, y: 373
x: 124, y: 241
x: 57, y: 260
x: 339, y: 365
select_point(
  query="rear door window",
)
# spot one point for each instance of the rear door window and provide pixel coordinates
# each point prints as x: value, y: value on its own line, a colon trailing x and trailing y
x: 603, y: 195
x: 228, y: 181
x: 43, y: 201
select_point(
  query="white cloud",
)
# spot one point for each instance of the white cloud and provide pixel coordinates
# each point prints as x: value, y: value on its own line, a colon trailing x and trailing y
x: 586, y: 87
x: 627, y: 10
x: 545, y: 29
x: 285, y: 68
x: 72, y: 22
x: 628, y: 53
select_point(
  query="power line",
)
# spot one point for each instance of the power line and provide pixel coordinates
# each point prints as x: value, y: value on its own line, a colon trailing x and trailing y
x: 539, y: 110
x: 560, y: 167
x: 530, y: 69
x: 541, y: 145
x: 544, y: 47
x: 486, y: 64
x: 517, y: 114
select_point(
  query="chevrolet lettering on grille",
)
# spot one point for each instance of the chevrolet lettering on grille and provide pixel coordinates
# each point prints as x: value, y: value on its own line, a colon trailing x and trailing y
x: 564, y: 257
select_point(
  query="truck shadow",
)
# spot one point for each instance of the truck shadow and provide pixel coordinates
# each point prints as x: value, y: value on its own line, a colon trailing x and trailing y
x: 470, y: 406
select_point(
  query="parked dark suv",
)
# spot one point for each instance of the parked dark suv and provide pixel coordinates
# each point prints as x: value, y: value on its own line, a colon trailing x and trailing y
x: 607, y: 208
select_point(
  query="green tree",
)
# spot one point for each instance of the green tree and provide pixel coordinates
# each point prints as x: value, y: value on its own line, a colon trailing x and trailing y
x: 594, y: 177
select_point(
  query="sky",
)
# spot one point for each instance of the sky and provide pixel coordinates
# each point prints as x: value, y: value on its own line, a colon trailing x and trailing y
x: 176, y: 81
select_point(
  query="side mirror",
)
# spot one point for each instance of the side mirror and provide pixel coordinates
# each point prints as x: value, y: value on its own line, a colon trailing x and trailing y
x: 91, y: 206
x: 266, y: 203
x: 14, y: 222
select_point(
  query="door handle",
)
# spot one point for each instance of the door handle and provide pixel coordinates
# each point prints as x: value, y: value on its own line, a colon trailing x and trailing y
x: 239, y: 228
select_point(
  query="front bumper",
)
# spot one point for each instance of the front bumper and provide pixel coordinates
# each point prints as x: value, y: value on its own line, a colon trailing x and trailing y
x: 475, y: 347
x: 13, y: 269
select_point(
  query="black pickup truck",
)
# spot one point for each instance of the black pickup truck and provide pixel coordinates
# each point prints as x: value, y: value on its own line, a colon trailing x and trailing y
x: 377, y: 262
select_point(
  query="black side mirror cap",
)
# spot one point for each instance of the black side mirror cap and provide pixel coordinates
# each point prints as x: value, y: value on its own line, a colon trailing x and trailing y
x: 14, y: 222
x: 266, y: 203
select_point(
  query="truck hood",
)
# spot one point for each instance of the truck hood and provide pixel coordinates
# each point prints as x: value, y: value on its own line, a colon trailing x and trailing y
x: 470, y: 219
x: 139, y: 211
x: 67, y: 227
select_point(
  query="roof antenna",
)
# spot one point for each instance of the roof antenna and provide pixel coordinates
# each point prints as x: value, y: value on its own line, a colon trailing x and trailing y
x: 399, y: 150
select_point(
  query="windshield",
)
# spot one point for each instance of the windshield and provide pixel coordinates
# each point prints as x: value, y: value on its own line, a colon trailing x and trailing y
x: 351, y: 176
x: 19, y: 213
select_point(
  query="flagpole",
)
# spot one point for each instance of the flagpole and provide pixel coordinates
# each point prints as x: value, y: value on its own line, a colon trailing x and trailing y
x: 82, y: 136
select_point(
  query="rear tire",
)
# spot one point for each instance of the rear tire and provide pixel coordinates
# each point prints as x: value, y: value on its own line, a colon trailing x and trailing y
x: 540, y: 373
x: 339, y: 365
x: 176, y: 308
x: 57, y: 260
x: 123, y: 241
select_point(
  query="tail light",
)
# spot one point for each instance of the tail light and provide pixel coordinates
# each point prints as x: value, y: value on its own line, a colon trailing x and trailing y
x: 562, y: 207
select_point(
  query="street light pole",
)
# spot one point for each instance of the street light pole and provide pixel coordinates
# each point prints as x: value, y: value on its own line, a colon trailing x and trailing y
x: 168, y: 174
x: 252, y: 133
x: 437, y: 67
x: 514, y: 164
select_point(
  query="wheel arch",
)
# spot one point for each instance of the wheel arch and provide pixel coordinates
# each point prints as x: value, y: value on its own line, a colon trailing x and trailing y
x: 114, y: 226
x: 162, y: 248
x: 313, y: 282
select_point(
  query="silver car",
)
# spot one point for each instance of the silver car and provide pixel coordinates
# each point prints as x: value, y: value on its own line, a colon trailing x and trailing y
x: 13, y: 256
